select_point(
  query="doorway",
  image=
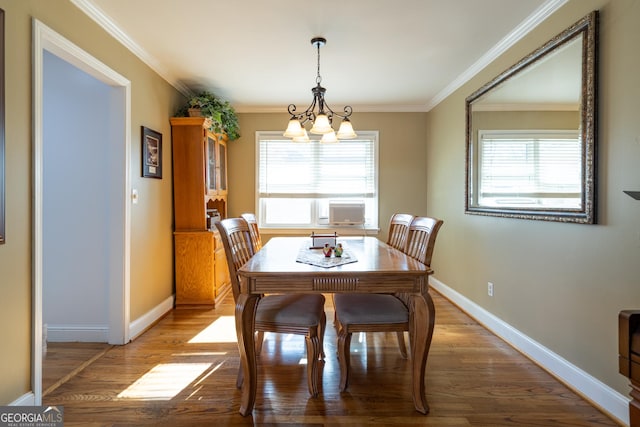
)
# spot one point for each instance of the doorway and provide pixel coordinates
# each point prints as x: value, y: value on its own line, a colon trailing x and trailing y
x: 81, y: 204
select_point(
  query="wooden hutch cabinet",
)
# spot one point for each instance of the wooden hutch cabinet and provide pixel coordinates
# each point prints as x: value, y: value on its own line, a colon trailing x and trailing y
x: 199, y: 195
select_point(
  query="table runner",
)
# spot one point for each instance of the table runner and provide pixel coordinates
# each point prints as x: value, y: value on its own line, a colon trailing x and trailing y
x: 317, y: 258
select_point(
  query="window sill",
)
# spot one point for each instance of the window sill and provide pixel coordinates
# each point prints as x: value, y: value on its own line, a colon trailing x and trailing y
x: 342, y: 231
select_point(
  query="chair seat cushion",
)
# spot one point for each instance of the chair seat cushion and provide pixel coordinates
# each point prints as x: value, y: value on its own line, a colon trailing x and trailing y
x: 369, y: 309
x: 298, y: 309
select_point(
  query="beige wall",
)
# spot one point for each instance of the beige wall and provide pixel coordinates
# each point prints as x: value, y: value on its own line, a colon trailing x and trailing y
x: 561, y: 284
x: 402, y: 157
x: 152, y: 101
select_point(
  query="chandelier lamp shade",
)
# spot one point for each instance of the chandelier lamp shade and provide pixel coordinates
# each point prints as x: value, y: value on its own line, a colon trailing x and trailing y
x: 319, y: 114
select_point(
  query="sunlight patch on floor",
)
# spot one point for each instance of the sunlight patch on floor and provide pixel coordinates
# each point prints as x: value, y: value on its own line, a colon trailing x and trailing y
x: 201, y: 353
x: 222, y: 330
x: 164, y: 381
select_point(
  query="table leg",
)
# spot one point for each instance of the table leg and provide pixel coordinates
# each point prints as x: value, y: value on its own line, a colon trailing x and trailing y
x: 245, y: 327
x: 424, y: 314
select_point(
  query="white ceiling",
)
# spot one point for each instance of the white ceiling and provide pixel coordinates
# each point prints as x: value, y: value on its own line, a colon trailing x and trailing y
x: 381, y: 55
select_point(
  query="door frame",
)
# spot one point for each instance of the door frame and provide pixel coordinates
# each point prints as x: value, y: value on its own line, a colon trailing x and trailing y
x: 46, y: 39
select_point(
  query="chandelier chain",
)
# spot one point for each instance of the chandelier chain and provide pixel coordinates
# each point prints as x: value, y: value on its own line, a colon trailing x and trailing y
x: 318, y: 78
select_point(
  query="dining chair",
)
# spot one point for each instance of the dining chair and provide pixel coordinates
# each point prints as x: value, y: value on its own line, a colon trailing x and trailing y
x: 399, y: 230
x: 253, y: 229
x: 422, y: 238
x: 397, y: 238
x: 301, y: 314
x: 361, y: 312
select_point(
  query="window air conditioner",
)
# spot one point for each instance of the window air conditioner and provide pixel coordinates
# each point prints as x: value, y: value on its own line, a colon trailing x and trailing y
x: 346, y: 213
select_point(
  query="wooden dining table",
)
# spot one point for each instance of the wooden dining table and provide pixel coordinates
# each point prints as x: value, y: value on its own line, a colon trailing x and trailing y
x: 286, y: 265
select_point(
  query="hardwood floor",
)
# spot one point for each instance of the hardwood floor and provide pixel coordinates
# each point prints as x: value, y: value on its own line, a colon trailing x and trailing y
x: 64, y: 360
x: 182, y: 372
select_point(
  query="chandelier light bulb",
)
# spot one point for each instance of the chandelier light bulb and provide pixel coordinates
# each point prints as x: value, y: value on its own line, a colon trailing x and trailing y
x: 321, y: 125
x: 303, y: 138
x: 294, y: 129
x: 346, y: 130
x: 329, y: 138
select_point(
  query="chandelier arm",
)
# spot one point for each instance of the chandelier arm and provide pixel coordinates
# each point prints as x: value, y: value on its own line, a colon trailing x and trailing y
x: 309, y: 111
x: 347, y: 112
x: 292, y: 110
x: 303, y: 116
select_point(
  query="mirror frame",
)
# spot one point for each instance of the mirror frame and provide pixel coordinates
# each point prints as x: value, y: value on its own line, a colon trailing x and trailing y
x: 587, y: 27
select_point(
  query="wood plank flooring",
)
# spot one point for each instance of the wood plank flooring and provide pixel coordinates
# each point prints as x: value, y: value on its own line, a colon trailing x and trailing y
x: 182, y: 372
x: 64, y: 360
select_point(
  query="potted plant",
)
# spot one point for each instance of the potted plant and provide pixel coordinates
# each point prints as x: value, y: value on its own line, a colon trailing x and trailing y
x: 222, y: 115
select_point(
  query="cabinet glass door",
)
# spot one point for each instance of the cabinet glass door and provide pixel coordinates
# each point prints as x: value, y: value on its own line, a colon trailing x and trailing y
x: 223, y: 166
x: 211, y: 164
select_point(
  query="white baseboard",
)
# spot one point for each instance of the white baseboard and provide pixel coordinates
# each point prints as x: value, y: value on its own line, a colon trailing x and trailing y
x: 99, y: 333
x: 27, y: 399
x: 77, y: 333
x: 607, y: 399
x: 143, y: 322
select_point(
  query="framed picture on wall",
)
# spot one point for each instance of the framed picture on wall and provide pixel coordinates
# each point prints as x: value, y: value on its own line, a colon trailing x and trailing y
x: 2, y: 161
x: 151, y: 153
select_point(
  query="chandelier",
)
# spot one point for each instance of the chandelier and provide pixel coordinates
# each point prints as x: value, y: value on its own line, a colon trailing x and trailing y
x: 321, y: 119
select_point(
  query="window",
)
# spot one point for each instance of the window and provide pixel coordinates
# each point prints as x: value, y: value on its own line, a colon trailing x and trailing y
x: 297, y: 181
x: 537, y: 169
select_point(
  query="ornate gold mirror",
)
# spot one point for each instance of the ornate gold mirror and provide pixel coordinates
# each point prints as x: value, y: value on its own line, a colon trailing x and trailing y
x: 531, y: 134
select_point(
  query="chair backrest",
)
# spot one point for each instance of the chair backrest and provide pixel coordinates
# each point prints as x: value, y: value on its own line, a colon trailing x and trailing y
x: 399, y: 230
x: 253, y: 229
x: 422, y: 238
x: 238, y: 247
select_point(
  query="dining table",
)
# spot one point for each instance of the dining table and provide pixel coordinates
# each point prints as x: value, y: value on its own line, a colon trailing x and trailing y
x: 367, y: 265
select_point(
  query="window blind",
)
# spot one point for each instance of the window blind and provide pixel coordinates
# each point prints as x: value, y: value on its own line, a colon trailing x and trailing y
x: 536, y: 165
x: 314, y: 170
x: 298, y: 181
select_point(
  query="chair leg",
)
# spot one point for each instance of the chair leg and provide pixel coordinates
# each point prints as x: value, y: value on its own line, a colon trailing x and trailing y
x: 401, y: 345
x: 313, y: 353
x: 344, y: 356
x: 335, y: 313
x: 239, y: 378
x: 259, y: 340
x: 321, y: 328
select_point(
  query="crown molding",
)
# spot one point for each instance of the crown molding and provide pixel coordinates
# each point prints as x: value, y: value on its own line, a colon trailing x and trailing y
x: 107, y: 23
x: 417, y: 108
x: 532, y: 21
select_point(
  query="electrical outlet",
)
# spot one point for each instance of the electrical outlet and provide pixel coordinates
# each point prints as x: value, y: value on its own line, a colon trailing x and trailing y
x: 490, y: 289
